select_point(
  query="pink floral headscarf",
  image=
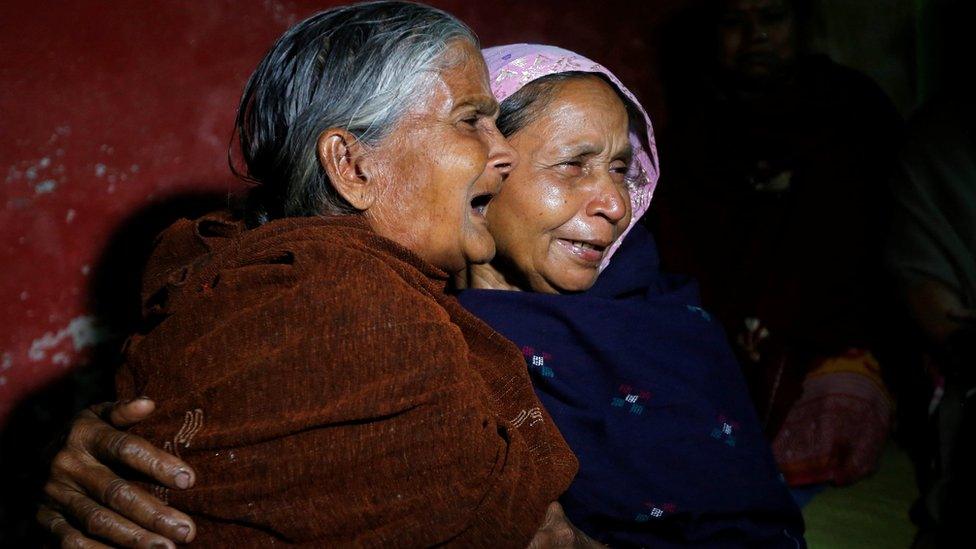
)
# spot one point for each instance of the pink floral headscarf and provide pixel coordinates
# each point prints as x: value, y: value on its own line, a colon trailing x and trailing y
x: 512, y: 66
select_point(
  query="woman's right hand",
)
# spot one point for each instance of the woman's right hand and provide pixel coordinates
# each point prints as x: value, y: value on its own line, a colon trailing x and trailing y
x: 83, y: 492
x: 557, y: 532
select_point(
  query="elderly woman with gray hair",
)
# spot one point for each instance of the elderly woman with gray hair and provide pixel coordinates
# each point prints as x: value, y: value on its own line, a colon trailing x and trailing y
x: 307, y: 361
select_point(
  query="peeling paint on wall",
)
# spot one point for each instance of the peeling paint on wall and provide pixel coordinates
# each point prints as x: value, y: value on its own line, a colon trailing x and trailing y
x: 46, y: 186
x: 83, y: 332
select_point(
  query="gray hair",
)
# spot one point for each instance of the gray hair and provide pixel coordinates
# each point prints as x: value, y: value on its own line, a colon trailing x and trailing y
x: 359, y: 68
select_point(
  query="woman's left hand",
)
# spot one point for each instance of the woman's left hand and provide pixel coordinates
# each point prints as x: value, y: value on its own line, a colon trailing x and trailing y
x: 557, y: 532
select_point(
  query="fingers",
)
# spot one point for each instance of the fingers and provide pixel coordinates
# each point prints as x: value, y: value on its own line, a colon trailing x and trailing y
x: 91, y: 436
x: 139, y: 454
x: 97, y: 521
x: 69, y: 537
x: 555, y: 532
x: 75, y: 472
x: 554, y: 515
x: 126, y: 414
x: 136, y: 504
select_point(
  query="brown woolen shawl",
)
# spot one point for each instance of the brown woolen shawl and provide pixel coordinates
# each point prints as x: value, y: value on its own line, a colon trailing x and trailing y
x: 327, y: 391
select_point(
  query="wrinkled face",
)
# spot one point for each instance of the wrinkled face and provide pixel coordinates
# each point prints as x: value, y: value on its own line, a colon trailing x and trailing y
x: 567, y: 200
x: 441, y: 165
x: 756, y: 37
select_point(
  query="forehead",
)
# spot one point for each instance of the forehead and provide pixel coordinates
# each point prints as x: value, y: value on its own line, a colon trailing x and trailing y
x: 463, y: 75
x: 584, y: 105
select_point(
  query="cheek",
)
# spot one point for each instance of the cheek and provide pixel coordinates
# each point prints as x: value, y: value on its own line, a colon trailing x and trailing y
x: 468, y: 155
x: 782, y: 37
x: 530, y: 209
x: 625, y: 222
x: 559, y: 206
x: 729, y: 43
x: 458, y: 169
x: 507, y: 218
x: 466, y: 165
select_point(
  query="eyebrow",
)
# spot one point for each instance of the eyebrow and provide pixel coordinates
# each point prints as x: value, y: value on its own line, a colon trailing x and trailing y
x: 486, y: 106
x: 589, y: 149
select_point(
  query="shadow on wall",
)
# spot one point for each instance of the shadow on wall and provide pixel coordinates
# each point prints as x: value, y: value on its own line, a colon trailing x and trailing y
x: 32, y: 432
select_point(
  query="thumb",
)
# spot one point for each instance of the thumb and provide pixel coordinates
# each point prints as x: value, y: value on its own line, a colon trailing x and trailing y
x: 127, y: 413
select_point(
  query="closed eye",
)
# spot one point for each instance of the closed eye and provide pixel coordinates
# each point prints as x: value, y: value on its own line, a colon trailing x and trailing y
x: 572, y: 168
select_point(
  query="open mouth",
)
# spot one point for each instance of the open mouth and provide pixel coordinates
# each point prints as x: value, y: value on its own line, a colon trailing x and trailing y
x: 480, y: 203
x: 588, y: 252
x: 584, y: 246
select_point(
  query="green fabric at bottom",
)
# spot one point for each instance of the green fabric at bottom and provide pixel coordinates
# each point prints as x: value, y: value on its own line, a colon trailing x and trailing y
x: 871, y: 513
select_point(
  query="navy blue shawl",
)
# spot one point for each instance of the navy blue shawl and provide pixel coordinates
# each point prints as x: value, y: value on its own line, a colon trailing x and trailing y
x: 642, y: 384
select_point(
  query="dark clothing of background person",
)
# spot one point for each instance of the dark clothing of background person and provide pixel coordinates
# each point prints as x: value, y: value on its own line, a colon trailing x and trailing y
x: 931, y: 253
x: 773, y: 201
x: 328, y: 392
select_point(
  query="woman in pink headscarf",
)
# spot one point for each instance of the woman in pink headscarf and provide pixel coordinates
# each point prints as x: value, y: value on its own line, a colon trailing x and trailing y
x: 638, y: 378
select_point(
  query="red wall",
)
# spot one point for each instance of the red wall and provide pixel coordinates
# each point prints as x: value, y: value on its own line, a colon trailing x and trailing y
x: 107, y: 108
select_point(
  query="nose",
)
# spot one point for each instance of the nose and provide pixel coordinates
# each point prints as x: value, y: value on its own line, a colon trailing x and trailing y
x: 608, y: 201
x: 501, y: 156
x: 757, y: 29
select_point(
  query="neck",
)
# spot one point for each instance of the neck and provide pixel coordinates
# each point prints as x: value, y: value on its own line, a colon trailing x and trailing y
x: 484, y: 277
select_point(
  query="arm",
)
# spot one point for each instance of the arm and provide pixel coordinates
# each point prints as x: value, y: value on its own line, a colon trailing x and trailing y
x: 90, y: 432
x: 82, y: 487
x: 377, y: 450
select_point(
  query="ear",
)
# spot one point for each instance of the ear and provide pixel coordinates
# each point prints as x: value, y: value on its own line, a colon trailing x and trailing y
x: 342, y: 156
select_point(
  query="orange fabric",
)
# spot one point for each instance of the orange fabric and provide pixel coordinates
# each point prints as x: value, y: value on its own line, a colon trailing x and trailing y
x: 328, y: 392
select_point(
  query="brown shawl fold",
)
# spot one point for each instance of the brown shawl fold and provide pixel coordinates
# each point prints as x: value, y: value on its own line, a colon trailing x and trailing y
x: 328, y: 392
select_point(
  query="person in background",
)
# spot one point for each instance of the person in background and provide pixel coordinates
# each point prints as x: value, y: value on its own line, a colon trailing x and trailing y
x: 778, y: 165
x: 932, y: 255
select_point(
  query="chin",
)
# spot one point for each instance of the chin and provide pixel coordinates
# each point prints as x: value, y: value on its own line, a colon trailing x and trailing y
x: 578, y: 282
x: 477, y: 253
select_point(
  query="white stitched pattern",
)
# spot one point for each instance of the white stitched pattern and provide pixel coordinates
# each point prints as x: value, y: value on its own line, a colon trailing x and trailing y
x: 192, y: 423
x: 533, y: 414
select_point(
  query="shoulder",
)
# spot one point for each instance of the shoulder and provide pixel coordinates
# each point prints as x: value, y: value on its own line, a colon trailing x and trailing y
x: 848, y: 87
x: 316, y: 270
x: 275, y: 302
x: 351, y: 268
